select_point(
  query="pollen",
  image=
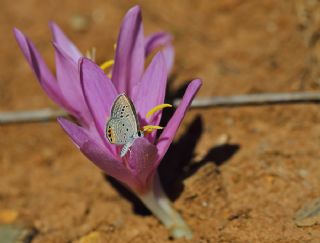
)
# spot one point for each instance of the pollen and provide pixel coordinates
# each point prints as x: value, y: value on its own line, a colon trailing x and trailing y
x: 150, y: 128
x: 157, y: 108
x: 107, y: 64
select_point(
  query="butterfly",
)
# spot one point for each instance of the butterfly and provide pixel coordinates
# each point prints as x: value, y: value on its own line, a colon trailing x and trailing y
x: 123, y: 126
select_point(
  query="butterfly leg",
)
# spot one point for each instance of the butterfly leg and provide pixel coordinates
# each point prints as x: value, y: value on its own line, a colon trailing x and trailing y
x: 126, y: 148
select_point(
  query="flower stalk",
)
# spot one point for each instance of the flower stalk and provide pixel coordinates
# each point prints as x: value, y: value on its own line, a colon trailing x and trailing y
x: 160, y: 205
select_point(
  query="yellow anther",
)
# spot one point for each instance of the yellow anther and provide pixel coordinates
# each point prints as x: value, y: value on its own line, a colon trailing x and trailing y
x: 114, y: 46
x: 157, y: 108
x: 107, y: 64
x: 150, y: 128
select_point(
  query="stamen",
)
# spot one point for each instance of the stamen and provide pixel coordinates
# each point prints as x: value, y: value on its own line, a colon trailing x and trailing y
x: 157, y: 108
x: 150, y: 128
x: 91, y: 54
x: 107, y: 64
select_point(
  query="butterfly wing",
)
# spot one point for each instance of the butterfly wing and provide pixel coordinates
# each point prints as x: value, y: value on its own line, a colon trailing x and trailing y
x: 123, y: 124
x: 119, y: 131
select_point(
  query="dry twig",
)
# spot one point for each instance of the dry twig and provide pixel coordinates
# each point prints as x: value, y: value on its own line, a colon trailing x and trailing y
x: 30, y: 116
x: 255, y: 99
x: 237, y: 100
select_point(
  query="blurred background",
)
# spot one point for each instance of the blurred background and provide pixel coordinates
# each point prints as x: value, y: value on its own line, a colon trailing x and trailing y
x: 249, y: 169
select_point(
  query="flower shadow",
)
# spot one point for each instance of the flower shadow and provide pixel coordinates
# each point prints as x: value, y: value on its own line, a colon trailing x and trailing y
x: 179, y: 164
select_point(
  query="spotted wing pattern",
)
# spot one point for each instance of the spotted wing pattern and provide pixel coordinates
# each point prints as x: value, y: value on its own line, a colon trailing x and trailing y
x: 123, y: 125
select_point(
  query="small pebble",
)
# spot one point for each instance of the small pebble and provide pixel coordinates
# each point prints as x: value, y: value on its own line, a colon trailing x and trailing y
x: 93, y: 237
x: 222, y: 139
x: 303, y: 173
x: 204, y: 204
x: 309, y: 214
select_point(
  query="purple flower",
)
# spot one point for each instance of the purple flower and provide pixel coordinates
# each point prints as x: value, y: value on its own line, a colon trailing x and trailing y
x: 138, y: 167
x: 86, y: 92
x: 65, y: 88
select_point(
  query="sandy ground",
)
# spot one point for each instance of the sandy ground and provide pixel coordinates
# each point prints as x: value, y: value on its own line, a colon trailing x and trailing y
x: 245, y: 190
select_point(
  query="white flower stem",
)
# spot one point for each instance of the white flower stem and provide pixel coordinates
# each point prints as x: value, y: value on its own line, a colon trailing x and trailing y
x: 160, y: 205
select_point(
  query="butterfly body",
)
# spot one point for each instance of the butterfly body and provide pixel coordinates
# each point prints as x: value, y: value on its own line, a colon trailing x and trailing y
x: 123, y: 125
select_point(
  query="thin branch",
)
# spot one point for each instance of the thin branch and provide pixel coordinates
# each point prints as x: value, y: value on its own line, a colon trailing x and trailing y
x: 41, y: 115
x: 217, y: 101
x: 255, y: 99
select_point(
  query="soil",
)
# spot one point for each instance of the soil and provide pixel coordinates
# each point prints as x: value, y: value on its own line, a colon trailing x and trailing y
x: 247, y: 171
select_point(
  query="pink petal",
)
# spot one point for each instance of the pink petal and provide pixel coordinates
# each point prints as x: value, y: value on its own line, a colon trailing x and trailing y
x: 141, y: 160
x: 168, y: 53
x: 69, y: 82
x: 45, y: 77
x: 78, y: 134
x: 63, y: 41
x: 171, y: 128
x: 151, y: 90
x: 129, y: 57
x: 99, y: 93
x: 97, y: 154
x: 161, y: 40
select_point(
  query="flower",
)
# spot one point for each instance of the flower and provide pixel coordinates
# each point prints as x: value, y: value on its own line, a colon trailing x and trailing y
x: 137, y: 169
x: 65, y: 88
x: 88, y: 94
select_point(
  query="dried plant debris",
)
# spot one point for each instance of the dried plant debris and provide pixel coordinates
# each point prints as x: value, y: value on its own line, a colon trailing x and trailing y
x: 16, y: 234
x: 309, y: 214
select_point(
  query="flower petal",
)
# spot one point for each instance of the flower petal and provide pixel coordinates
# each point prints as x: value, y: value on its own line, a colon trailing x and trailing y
x: 78, y: 134
x: 151, y: 90
x: 168, y: 53
x: 41, y: 70
x: 161, y: 40
x: 99, y: 93
x: 97, y: 154
x: 141, y: 160
x: 129, y: 58
x: 170, y: 130
x: 63, y: 41
x: 69, y: 82
x: 157, y: 40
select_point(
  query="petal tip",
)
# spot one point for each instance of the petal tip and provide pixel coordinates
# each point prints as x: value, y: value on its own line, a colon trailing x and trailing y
x: 54, y: 27
x: 16, y: 31
x: 52, y: 24
x: 83, y: 61
x: 135, y: 10
x: 18, y: 34
x: 196, y: 83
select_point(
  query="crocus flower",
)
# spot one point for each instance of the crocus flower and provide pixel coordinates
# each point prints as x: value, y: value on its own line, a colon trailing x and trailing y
x: 88, y: 94
x: 65, y: 89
